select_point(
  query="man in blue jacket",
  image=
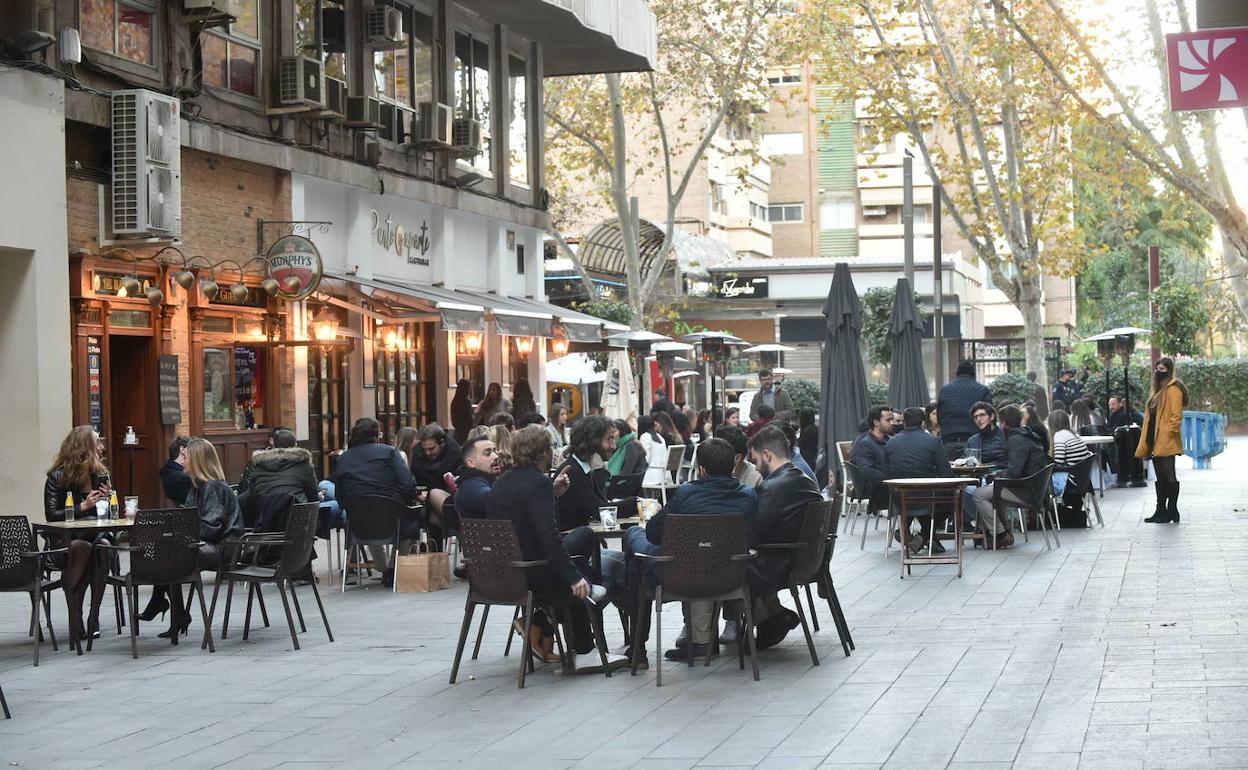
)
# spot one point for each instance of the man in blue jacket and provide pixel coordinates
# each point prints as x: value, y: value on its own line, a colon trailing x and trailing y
x: 916, y: 454
x: 715, y: 491
x: 953, y: 408
x: 989, y: 439
x: 867, y: 455
x: 480, y: 458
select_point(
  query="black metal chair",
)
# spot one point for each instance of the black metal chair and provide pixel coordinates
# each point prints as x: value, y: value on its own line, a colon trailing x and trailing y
x: 704, y: 558
x: 164, y: 551
x: 296, y: 545
x: 22, y: 571
x: 1036, y: 493
x: 857, y: 503
x: 4, y: 705
x: 619, y: 487
x: 497, y: 577
x: 1081, y: 477
x: 372, y: 520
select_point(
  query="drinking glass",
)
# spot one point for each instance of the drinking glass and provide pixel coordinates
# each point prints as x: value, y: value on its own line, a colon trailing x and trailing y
x: 132, y: 506
x: 607, y: 517
x: 101, y: 509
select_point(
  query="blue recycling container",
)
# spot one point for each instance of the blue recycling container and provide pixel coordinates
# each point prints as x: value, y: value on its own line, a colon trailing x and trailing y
x: 1204, y: 435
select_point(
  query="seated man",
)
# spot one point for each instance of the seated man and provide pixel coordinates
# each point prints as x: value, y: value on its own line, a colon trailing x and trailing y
x: 1024, y: 457
x: 715, y: 491
x: 436, y: 455
x: 592, y: 441
x: 283, y: 469
x: 867, y: 455
x: 989, y: 439
x: 912, y: 454
x: 743, y: 470
x: 782, y: 501
x: 475, y: 479
x: 370, y: 467
x: 173, y: 477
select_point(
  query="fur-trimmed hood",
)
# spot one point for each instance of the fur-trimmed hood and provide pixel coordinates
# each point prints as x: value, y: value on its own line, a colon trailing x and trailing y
x: 276, y: 459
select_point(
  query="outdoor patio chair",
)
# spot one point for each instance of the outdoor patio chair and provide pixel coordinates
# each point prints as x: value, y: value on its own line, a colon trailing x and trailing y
x: 675, y: 456
x: 856, y: 505
x: 372, y: 520
x: 164, y: 551
x: 296, y: 545
x: 497, y: 576
x: 1081, y: 476
x: 1036, y: 492
x: 619, y: 487
x: 703, y: 558
x: 22, y: 571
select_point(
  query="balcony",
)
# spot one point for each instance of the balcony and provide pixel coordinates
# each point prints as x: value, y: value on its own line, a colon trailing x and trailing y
x: 580, y: 37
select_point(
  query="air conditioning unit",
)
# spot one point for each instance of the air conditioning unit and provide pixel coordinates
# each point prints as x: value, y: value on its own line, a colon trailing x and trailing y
x: 363, y: 112
x: 335, y: 100
x: 383, y: 27
x: 147, y: 164
x: 367, y: 150
x: 433, y: 124
x: 468, y: 134
x: 874, y: 211
x: 391, y: 130
x: 212, y: 12
x: 299, y: 82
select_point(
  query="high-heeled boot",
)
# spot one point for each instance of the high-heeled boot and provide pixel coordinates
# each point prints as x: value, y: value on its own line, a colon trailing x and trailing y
x: 1161, y: 515
x: 1172, y: 507
x: 180, y: 617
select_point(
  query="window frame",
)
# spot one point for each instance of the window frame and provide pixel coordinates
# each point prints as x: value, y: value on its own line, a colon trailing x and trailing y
x: 852, y: 208
x: 520, y: 53
x: 784, y: 208
x: 149, y: 73
x: 485, y: 35
x: 230, y: 37
x: 801, y: 150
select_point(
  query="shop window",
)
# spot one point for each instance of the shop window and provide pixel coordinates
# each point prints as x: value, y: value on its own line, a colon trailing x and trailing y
x: 518, y: 121
x: 119, y: 27
x: 231, y: 58
x: 472, y: 91
x: 234, y: 382
x: 328, y: 371
x: 404, y: 387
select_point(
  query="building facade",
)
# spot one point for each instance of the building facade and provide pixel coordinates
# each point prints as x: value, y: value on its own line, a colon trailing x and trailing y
x: 242, y: 214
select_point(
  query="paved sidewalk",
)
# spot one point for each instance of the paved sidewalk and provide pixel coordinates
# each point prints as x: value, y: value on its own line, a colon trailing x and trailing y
x: 1124, y: 648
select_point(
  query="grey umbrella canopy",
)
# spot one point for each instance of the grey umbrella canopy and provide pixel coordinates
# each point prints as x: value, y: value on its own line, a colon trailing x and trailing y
x: 843, y: 391
x: 907, y: 384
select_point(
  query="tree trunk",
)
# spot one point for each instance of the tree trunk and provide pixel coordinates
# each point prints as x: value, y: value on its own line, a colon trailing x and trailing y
x: 1236, y: 267
x: 1028, y: 304
x: 619, y: 197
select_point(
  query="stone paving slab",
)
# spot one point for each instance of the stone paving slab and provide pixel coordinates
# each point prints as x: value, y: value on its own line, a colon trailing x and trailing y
x: 1125, y: 648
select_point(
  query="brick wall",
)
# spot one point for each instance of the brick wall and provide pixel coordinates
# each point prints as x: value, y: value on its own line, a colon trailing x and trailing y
x: 221, y: 201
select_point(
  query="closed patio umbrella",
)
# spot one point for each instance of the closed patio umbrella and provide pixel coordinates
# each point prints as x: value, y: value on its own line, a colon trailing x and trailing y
x: 843, y: 391
x: 907, y: 385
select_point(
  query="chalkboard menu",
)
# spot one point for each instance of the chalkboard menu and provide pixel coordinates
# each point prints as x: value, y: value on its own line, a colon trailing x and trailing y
x: 170, y: 403
x: 95, y: 405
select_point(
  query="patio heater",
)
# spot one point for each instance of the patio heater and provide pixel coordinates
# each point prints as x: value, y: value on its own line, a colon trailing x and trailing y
x: 1132, y: 469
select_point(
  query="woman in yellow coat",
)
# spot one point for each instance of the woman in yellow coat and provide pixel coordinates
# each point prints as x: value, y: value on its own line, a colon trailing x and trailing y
x: 1161, y: 438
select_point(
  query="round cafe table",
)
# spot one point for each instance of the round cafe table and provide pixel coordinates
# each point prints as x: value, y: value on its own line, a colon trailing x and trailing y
x: 1096, y: 444
x: 928, y: 493
x: 68, y: 529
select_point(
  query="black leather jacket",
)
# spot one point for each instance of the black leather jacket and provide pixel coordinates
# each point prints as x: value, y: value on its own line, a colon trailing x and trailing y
x: 54, y: 496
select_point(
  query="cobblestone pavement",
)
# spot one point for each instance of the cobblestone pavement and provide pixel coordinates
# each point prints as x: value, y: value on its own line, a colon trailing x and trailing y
x: 1123, y: 648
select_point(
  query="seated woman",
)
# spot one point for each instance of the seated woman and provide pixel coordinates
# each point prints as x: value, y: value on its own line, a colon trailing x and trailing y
x: 629, y: 458
x: 656, y: 451
x: 1069, y: 449
x: 78, y: 471
x: 525, y: 495
x: 220, y: 516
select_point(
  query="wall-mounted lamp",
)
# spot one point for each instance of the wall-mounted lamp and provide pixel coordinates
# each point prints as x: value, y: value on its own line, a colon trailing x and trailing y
x: 324, y: 325
x: 470, y: 343
x: 559, y: 347
x: 524, y: 347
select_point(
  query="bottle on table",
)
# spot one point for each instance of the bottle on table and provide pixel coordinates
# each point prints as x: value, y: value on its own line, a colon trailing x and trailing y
x: 113, y: 508
x: 70, y: 506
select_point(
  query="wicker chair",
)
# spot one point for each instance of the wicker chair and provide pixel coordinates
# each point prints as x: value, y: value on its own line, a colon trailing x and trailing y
x: 296, y: 545
x: 164, y: 551
x: 22, y: 571
x: 497, y: 577
x: 704, y: 558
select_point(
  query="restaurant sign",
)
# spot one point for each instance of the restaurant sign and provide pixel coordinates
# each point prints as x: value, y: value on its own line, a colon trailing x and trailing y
x: 734, y: 287
x: 296, y: 264
x: 1208, y: 69
x: 410, y: 244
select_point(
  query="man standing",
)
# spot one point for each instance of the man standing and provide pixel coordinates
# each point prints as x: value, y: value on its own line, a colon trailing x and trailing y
x: 953, y: 408
x: 1063, y: 391
x: 1025, y: 457
x: 770, y: 393
x: 715, y: 491
x: 867, y: 455
x: 782, y: 501
x: 477, y: 477
x: 916, y: 454
x: 1039, y: 395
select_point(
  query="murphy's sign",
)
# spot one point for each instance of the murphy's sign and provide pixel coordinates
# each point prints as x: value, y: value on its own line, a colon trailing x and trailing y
x: 296, y: 264
x: 412, y: 245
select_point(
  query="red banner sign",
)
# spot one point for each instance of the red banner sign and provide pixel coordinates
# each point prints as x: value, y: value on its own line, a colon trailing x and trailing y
x: 1208, y: 69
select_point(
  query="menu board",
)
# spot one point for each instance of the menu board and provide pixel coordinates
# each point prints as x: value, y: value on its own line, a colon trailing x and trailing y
x: 95, y: 408
x: 170, y: 400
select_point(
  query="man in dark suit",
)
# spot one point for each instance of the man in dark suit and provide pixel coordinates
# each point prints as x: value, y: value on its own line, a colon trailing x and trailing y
x: 867, y: 455
x: 782, y: 500
x: 916, y: 454
x: 584, y: 473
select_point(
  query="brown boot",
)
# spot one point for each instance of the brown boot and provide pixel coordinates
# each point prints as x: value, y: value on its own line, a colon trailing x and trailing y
x: 543, y: 646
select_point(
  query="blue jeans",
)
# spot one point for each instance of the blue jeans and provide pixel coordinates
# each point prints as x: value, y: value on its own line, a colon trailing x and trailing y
x: 329, y: 505
x: 635, y: 542
x: 614, y: 572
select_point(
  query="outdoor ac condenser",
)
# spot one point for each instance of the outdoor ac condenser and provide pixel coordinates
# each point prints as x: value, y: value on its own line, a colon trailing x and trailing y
x: 147, y: 164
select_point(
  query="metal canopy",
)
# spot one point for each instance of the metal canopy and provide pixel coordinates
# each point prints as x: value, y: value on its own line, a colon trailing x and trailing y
x: 602, y: 250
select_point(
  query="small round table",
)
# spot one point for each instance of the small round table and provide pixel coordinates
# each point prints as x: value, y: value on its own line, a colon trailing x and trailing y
x: 929, y: 492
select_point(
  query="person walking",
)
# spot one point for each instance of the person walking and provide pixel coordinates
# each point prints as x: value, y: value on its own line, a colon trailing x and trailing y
x: 1039, y: 395
x: 1161, y: 438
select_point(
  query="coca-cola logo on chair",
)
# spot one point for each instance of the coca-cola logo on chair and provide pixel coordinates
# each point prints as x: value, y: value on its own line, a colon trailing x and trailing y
x: 295, y: 264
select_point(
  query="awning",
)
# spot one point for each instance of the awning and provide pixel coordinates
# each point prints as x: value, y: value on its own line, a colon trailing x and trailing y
x: 459, y: 311
x: 513, y: 317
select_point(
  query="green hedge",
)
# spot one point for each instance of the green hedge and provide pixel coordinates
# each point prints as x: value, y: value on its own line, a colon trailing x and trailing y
x: 1217, y: 386
x: 1095, y: 386
x: 805, y: 393
x: 877, y: 393
x: 1010, y: 389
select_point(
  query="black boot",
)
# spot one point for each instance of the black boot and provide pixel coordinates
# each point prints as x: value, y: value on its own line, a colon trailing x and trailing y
x: 1172, y: 508
x: 1161, y: 515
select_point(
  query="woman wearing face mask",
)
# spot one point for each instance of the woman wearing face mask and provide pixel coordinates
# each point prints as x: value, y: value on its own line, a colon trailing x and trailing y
x: 1161, y: 438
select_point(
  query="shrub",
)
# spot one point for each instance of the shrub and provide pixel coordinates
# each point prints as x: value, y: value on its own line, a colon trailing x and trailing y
x: 1217, y: 386
x: 877, y: 393
x: 1010, y: 389
x: 805, y: 394
x: 1095, y: 385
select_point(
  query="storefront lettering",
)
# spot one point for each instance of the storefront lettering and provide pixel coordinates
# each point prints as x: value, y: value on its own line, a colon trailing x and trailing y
x: 409, y: 245
x: 730, y: 289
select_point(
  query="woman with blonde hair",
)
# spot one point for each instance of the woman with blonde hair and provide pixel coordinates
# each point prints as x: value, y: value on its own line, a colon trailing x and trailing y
x: 1161, y: 438
x: 501, y: 435
x: 405, y: 441
x: 220, y: 517
x: 78, y: 471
